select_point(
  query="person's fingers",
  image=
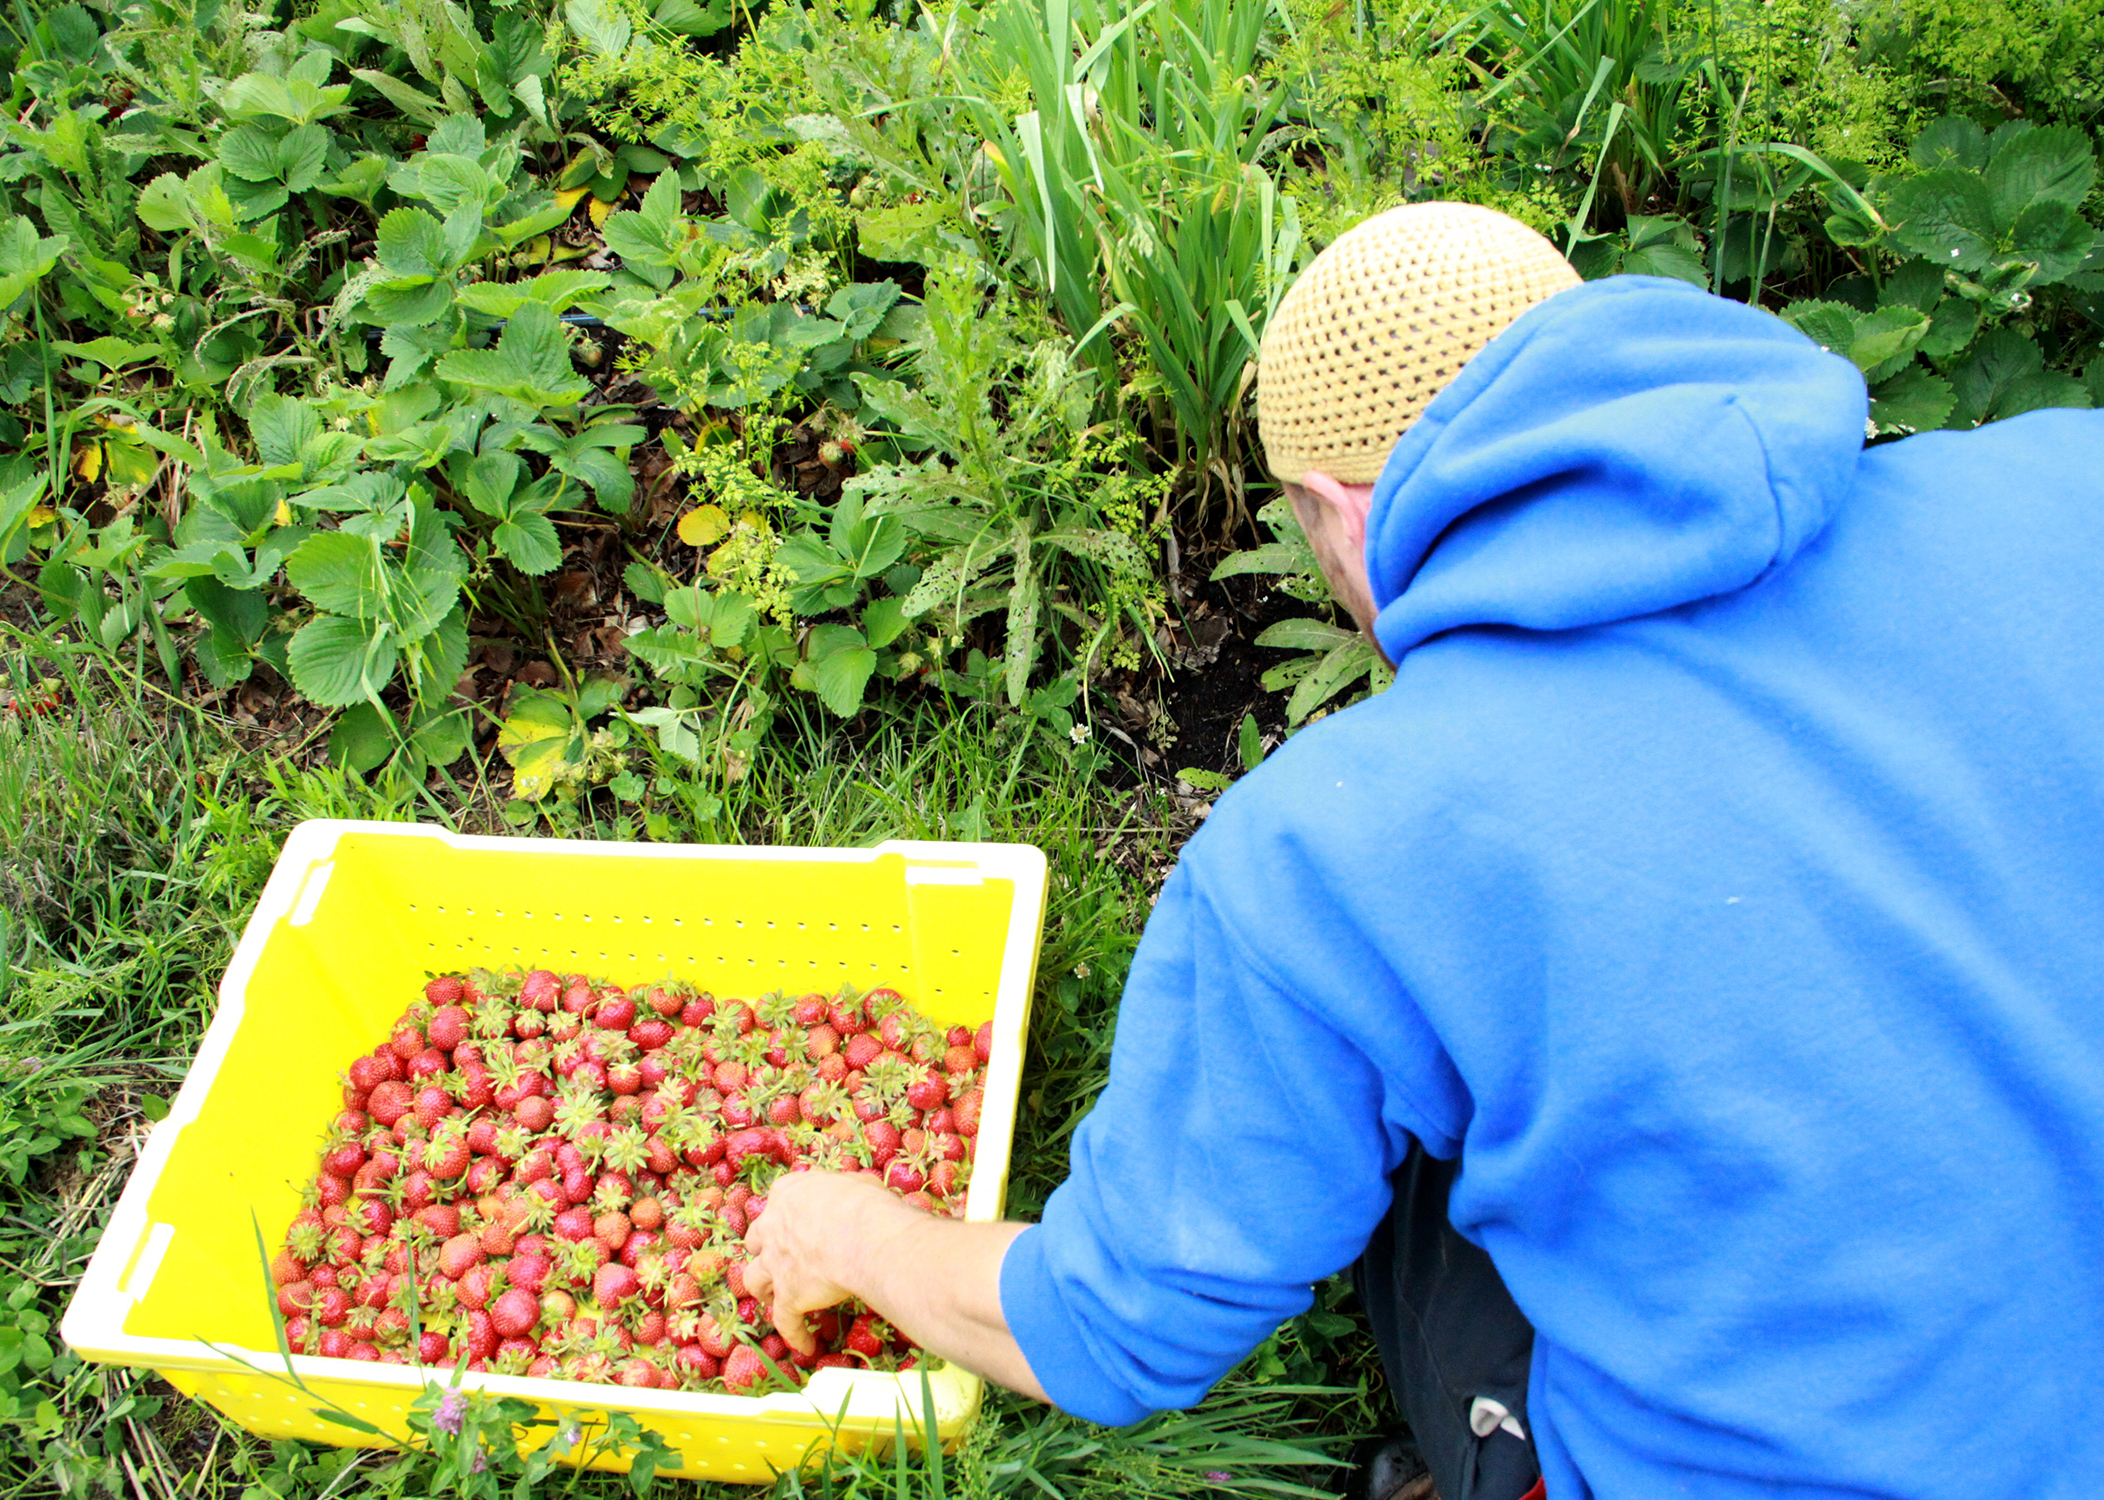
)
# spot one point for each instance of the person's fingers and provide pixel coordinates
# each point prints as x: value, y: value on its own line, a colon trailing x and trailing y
x: 791, y: 1326
x: 759, y: 1281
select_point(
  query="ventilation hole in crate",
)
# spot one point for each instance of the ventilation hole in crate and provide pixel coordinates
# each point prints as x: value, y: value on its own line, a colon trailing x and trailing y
x: 832, y: 926
x: 739, y: 923
x: 526, y: 916
x: 441, y: 911
x: 800, y: 926
x: 412, y: 906
x: 586, y: 917
x: 894, y: 927
x: 470, y: 911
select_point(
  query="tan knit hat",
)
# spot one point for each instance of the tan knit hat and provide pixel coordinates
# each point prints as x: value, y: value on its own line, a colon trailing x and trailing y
x: 1381, y: 321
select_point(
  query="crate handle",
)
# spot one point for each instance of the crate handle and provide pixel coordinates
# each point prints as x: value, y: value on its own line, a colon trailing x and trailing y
x: 310, y: 893
x: 139, y: 1275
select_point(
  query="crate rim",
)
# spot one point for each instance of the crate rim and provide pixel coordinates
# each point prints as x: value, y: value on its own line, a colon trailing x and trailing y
x: 126, y: 1252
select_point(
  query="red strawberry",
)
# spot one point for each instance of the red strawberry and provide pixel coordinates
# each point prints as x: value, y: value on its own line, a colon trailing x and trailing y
x: 442, y: 1219
x: 832, y: 1068
x: 613, y: 1283
x: 698, y: 1012
x: 983, y: 1041
x: 744, y: 1369
x: 611, y: 1229
x: 449, y: 1027
x: 447, y: 989
x: 458, y: 1255
x: 696, y: 1363
x: 295, y: 1297
x: 514, y: 1313
x: 446, y: 1159
x: 945, y: 1177
x: 663, y: 999
x: 646, y: 1213
x: 474, y: 1287
x: 578, y: 998
x: 834, y: 1362
x: 331, y: 1191
x: 617, y: 1012
x: 861, y: 1050
x: 334, y: 1344
x: 884, y: 1140
x: 960, y: 1060
x: 432, y: 1105
x: 967, y: 1110
x: 529, y: 1273
x: 535, y: 1112
x: 362, y: 1351
x: 929, y: 1091
x: 482, y: 1335
x: 407, y: 1041
x: 866, y: 1337
x: 332, y: 1306
x: 574, y: 1224
x: 905, y: 1177
x: 892, y: 1029
x: 427, y: 1064
x: 541, y: 990
x: 785, y: 1111
x: 650, y: 1034
x: 528, y: 1024
x: 389, y: 1101
x: 847, y: 1017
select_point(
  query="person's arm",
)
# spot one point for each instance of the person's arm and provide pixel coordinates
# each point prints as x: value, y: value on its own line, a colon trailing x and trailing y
x: 829, y: 1236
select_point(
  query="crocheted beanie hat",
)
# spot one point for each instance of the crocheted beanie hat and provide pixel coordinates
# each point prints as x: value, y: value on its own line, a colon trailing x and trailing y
x: 1379, y: 323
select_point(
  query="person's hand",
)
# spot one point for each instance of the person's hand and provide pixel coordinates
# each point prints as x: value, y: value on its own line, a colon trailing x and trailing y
x: 819, y: 1231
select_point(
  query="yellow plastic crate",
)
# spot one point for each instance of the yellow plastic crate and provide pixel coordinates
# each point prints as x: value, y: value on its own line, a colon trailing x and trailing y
x: 357, y: 914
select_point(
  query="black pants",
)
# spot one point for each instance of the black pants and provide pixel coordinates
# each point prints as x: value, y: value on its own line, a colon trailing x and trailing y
x: 1448, y: 1333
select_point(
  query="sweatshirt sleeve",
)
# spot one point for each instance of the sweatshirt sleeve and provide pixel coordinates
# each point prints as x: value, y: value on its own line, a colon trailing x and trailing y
x: 1239, y: 1153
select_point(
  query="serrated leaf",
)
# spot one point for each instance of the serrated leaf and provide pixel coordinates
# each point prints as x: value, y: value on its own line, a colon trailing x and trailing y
x: 883, y: 621
x: 1830, y: 325
x: 489, y: 482
x: 282, y: 426
x: 411, y: 243
x: 530, y: 365
x: 704, y: 526
x: 1911, y: 401
x: 250, y: 153
x: 1951, y: 328
x: 529, y: 542
x: 341, y: 573
x: 1271, y: 557
x: 301, y: 155
x: 600, y: 25
x: 840, y: 665
x: 1945, y: 217
x: 2038, y: 391
x: 1916, y: 284
x: 337, y: 661
x: 1885, y: 334
x: 2049, y: 165
x: 1951, y: 141
x: 2054, y: 238
x: 558, y: 290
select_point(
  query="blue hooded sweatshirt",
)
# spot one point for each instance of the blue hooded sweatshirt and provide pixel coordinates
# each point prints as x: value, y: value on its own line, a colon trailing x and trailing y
x: 1722, y: 879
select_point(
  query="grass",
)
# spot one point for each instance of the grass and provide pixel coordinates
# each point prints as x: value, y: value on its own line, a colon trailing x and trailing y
x: 135, y: 833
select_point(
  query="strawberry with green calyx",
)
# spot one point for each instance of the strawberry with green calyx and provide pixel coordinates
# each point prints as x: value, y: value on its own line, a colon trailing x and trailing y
x: 967, y: 1110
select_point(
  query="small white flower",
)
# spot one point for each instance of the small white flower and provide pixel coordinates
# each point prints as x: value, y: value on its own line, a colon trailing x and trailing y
x: 1079, y: 734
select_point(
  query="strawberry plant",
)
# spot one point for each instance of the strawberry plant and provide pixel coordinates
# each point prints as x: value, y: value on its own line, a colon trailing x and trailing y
x: 549, y: 1175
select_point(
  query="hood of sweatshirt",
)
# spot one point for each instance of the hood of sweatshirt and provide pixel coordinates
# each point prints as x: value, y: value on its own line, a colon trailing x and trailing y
x: 1626, y: 446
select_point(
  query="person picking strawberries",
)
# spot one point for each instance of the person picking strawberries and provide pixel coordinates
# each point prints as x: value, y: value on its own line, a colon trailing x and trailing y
x: 1675, y: 998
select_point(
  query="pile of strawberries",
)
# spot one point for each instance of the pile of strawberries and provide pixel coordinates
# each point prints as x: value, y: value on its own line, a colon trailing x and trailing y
x: 556, y: 1176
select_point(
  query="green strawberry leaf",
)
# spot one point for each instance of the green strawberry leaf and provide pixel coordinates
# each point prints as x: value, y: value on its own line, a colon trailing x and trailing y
x: 556, y: 289
x: 840, y: 665
x: 1911, y: 401
x: 341, y: 573
x: 2050, y: 165
x: 301, y: 155
x: 491, y: 480
x: 530, y: 543
x: 1952, y: 141
x: 1946, y: 218
x: 531, y: 364
x: 337, y: 662
x: 250, y: 153
x: 411, y: 243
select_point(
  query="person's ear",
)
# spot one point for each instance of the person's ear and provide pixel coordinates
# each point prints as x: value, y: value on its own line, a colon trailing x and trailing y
x: 1352, y: 502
